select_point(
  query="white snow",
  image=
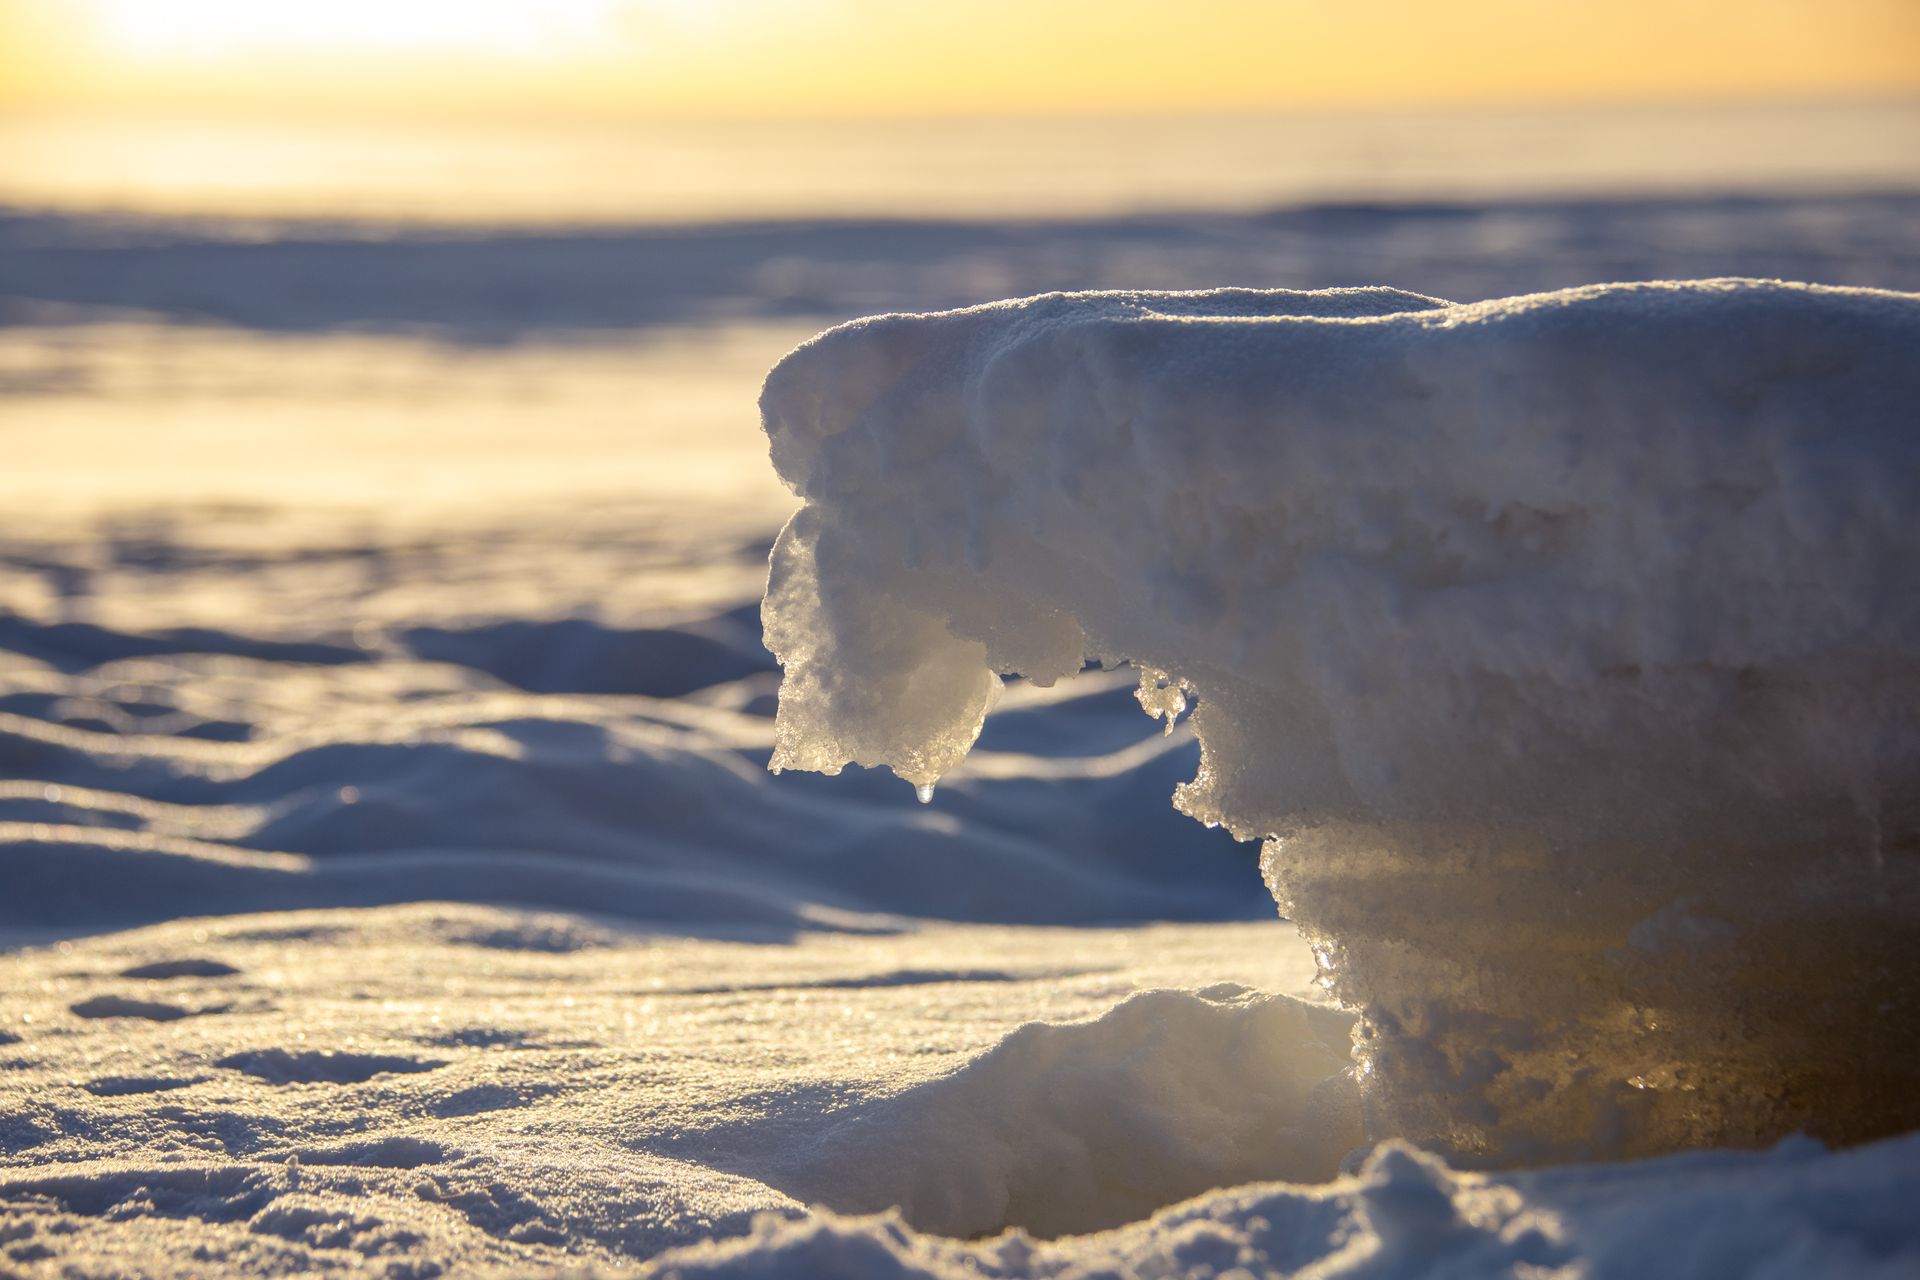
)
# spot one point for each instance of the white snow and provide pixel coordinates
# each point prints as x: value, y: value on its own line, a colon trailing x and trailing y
x: 1791, y: 1212
x: 411, y: 1089
x: 1562, y: 647
x: 390, y: 882
x: 502, y: 1091
x: 1069, y: 1129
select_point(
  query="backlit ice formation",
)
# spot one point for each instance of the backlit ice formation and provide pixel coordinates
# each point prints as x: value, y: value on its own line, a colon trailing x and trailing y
x: 1565, y: 650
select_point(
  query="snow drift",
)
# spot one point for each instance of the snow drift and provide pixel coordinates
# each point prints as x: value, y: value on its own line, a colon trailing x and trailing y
x: 1563, y: 648
x: 1067, y: 1129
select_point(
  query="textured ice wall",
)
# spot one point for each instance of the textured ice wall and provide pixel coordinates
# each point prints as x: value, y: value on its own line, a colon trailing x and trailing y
x: 1565, y: 649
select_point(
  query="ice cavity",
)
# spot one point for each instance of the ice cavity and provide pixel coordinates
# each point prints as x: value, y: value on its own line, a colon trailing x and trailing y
x: 1564, y: 649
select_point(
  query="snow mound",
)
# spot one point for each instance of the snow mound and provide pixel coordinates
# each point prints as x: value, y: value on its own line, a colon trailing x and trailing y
x: 1563, y: 648
x: 1082, y: 1127
x: 1793, y: 1211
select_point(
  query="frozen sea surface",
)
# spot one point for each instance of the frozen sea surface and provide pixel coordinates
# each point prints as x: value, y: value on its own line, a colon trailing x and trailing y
x: 392, y: 875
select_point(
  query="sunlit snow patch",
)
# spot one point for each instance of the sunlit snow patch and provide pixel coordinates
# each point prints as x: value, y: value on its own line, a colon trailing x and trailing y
x: 1565, y: 650
x: 1068, y: 1129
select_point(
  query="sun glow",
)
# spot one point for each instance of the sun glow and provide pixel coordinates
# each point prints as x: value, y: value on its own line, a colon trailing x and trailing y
x: 215, y: 28
x: 781, y: 58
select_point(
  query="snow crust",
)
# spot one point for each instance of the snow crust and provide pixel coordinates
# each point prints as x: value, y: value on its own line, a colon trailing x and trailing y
x: 1563, y: 648
x: 458, y: 1090
x: 1790, y: 1212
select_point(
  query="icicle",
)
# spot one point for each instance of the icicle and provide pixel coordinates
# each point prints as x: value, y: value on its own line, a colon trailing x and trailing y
x: 1161, y: 696
x: 924, y: 790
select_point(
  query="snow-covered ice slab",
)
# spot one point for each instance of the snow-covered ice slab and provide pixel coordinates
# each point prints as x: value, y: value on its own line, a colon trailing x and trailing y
x: 1565, y: 649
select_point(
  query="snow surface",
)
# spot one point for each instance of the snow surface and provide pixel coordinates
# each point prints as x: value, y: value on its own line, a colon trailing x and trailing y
x: 1562, y: 648
x: 431, y: 1089
x: 487, y: 1089
x: 378, y: 645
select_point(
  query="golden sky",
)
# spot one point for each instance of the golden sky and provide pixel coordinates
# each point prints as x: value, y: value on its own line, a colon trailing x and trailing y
x: 754, y: 58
